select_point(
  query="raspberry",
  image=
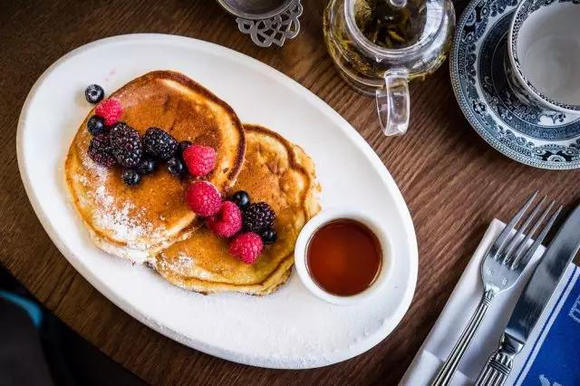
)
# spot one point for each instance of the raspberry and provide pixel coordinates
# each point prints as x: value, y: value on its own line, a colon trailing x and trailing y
x: 247, y: 247
x: 100, y: 150
x: 110, y: 109
x: 258, y: 217
x: 227, y: 222
x: 126, y: 145
x: 159, y: 143
x: 200, y: 160
x: 203, y: 198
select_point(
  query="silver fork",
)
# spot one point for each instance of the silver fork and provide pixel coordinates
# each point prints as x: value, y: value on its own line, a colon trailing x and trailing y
x: 500, y: 270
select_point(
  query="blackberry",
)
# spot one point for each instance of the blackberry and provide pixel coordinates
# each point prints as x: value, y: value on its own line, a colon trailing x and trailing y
x: 241, y: 199
x: 159, y: 144
x: 146, y: 166
x: 175, y: 166
x: 131, y: 177
x: 126, y: 145
x: 269, y: 236
x: 258, y: 217
x: 96, y: 125
x: 100, y: 150
x: 94, y: 94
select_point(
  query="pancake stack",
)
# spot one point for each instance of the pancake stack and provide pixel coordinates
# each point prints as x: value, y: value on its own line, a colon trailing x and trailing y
x: 151, y: 222
x: 137, y: 222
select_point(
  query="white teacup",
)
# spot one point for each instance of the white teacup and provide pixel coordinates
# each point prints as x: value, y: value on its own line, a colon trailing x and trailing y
x: 544, y: 52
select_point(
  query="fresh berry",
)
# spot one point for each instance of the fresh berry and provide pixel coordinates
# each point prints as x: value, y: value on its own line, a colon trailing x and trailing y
x: 159, y: 144
x: 269, y: 236
x: 182, y: 146
x: 227, y: 222
x: 94, y: 93
x: 110, y: 109
x: 126, y: 145
x: 258, y: 217
x: 203, y: 198
x: 100, y: 150
x: 247, y: 247
x: 96, y: 125
x: 146, y: 166
x: 241, y: 198
x: 175, y: 166
x: 131, y: 177
x: 200, y: 160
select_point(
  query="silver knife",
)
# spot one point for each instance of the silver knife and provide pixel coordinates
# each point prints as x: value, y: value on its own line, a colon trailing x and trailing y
x: 532, y: 301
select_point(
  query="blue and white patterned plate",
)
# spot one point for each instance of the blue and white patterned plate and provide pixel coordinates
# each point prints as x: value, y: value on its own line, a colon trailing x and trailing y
x: 526, y: 133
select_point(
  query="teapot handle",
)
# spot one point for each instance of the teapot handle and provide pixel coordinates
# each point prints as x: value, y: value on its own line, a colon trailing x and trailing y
x: 393, y: 102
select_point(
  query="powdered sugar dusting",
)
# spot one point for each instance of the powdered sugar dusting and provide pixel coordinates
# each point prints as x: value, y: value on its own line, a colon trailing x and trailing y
x: 125, y: 221
x: 83, y: 180
x: 122, y: 225
x: 181, y: 264
x: 184, y: 264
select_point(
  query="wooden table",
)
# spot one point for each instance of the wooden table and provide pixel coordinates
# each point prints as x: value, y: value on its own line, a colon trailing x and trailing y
x: 453, y: 182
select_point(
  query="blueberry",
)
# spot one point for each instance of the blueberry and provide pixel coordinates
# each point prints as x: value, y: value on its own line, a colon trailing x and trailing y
x: 146, y: 166
x: 94, y: 94
x: 131, y: 177
x: 241, y: 199
x: 175, y: 166
x: 96, y: 125
x: 269, y: 236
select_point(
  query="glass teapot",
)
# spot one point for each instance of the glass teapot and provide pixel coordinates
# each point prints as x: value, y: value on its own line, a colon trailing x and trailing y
x: 380, y: 45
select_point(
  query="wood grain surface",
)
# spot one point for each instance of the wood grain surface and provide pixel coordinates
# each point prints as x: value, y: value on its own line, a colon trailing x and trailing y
x: 453, y: 182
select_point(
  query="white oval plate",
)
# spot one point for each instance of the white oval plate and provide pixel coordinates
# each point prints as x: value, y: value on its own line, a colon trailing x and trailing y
x: 289, y: 329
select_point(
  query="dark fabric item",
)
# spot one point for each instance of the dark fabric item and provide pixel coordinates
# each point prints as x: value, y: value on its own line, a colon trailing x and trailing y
x: 21, y: 358
x: 70, y: 359
x: 73, y: 361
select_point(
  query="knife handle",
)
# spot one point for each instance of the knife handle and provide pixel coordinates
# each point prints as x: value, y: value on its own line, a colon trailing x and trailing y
x: 500, y: 363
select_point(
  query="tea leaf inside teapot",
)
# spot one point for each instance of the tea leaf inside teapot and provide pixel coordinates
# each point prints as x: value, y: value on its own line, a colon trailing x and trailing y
x: 388, y: 26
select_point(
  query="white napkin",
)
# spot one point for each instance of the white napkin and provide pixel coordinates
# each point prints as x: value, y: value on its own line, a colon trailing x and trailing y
x: 457, y: 313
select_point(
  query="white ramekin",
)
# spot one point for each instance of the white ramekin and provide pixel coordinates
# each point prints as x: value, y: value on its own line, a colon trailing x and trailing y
x: 301, y: 249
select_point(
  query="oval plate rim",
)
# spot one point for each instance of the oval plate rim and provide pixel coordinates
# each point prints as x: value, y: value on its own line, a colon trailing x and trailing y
x: 362, y: 346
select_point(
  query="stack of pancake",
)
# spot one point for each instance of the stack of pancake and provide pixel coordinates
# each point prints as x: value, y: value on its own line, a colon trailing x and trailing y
x: 151, y: 223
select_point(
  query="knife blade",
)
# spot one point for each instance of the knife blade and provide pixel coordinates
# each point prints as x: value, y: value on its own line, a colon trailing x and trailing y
x: 545, y: 278
x: 532, y: 301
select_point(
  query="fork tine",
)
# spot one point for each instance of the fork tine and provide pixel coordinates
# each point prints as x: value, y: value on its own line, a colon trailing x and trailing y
x: 500, y: 240
x: 532, y: 231
x: 532, y: 249
x: 517, y: 237
x: 522, y: 245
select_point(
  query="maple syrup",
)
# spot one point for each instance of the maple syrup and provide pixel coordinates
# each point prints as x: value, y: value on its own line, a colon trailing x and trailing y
x: 344, y: 257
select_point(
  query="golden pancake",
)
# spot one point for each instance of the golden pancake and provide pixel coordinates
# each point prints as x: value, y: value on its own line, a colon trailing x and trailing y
x: 136, y: 222
x: 274, y: 171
